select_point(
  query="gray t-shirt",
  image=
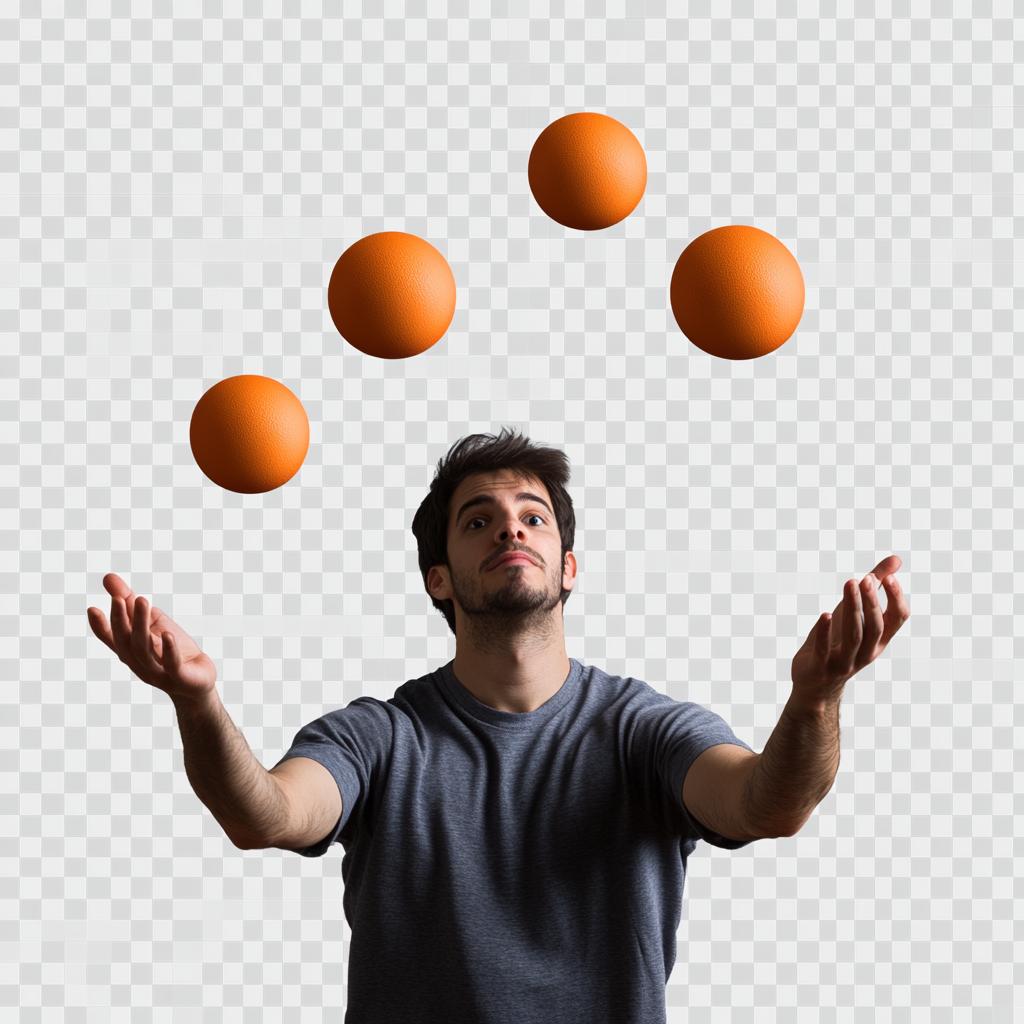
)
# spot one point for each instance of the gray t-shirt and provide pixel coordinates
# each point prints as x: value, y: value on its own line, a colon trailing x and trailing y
x: 522, y: 868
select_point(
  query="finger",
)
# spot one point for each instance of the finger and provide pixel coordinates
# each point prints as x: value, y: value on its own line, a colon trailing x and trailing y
x: 823, y: 637
x: 100, y: 626
x: 837, y: 619
x: 897, y: 611
x: 121, y: 627
x: 115, y: 586
x: 873, y: 623
x: 159, y: 622
x: 162, y: 625
x: 853, y: 627
x: 887, y: 566
x: 142, y: 641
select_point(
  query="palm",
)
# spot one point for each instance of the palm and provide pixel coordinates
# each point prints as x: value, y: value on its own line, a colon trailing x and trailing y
x: 196, y: 666
x: 854, y: 635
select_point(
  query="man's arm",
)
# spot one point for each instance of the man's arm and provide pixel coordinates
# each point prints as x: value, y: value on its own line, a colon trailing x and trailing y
x: 292, y: 807
x: 745, y: 796
x: 741, y: 795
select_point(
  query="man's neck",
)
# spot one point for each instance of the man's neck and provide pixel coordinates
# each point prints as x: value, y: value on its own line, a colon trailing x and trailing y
x: 519, y: 674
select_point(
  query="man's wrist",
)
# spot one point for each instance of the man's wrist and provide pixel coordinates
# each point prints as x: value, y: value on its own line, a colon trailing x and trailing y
x: 815, y: 704
x: 196, y: 705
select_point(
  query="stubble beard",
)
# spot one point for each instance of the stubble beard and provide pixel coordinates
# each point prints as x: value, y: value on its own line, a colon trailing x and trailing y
x: 509, y: 613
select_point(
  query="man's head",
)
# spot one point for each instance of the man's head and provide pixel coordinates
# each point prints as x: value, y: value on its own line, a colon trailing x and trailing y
x: 493, y: 496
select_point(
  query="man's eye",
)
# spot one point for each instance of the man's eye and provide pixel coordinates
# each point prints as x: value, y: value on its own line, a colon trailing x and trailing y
x: 475, y: 519
x: 540, y: 519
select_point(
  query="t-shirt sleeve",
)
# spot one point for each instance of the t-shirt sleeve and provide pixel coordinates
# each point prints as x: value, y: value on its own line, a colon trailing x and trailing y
x: 353, y: 745
x: 671, y: 735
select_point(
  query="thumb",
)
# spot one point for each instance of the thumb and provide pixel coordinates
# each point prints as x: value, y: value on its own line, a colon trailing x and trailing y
x: 172, y: 654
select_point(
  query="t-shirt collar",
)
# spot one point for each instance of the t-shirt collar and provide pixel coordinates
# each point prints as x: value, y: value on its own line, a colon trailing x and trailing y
x: 458, y: 693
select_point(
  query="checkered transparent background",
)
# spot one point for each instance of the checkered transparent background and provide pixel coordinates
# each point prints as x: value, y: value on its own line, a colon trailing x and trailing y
x: 176, y: 183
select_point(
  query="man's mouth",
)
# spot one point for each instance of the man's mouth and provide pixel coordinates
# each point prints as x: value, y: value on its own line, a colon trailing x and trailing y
x: 513, y: 558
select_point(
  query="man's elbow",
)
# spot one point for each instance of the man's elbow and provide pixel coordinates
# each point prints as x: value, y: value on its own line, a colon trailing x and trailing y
x: 790, y: 828
x: 243, y: 840
x: 779, y: 828
x: 280, y: 840
x: 247, y: 844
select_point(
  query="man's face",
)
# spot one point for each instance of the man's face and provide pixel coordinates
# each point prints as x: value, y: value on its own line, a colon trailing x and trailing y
x: 504, y: 550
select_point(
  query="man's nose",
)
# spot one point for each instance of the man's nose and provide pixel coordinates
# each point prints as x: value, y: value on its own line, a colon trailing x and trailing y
x: 510, y: 527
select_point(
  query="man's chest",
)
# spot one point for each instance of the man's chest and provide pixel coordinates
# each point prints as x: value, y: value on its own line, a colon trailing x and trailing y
x: 510, y: 807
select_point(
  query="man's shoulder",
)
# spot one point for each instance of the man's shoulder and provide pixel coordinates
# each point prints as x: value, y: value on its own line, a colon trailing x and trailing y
x: 419, y: 692
x: 409, y: 695
x: 600, y: 680
x: 632, y: 699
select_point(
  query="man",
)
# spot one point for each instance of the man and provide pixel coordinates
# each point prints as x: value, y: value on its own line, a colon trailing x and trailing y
x: 515, y: 825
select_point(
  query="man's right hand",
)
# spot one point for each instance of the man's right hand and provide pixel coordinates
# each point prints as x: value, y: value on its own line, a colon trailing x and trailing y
x: 292, y: 807
x: 151, y: 644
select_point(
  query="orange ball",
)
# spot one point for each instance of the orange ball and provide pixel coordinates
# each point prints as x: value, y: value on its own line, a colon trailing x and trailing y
x: 737, y: 292
x: 249, y: 434
x: 587, y: 171
x: 391, y: 295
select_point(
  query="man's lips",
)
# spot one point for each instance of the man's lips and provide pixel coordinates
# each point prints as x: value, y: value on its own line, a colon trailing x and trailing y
x: 513, y: 558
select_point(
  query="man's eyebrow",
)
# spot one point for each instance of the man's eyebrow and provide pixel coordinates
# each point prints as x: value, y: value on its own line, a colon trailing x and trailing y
x: 487, y: 499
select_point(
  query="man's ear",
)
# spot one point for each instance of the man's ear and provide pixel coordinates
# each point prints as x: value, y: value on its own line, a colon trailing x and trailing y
x: 569, y: 571
x: 439, y: 584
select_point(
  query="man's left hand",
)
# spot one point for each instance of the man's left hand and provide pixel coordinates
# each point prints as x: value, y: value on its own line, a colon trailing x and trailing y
x: 856, y: 633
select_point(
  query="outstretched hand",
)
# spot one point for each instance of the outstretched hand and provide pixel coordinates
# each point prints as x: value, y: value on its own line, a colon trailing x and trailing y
x: 852, y: 636
x: 151, y: 644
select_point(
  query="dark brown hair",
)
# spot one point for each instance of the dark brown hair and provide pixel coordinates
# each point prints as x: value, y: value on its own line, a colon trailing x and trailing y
x: 488, y: 453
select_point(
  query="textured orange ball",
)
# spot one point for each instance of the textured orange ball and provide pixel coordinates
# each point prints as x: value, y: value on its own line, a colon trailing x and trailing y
x: 737, y: 292
x: 391, y: 295
x: 249, y: 434
x: 587, y: 171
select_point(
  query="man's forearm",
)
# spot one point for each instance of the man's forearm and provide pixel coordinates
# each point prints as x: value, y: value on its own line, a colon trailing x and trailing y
x: 237, y: 789
x: 796, y: 769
